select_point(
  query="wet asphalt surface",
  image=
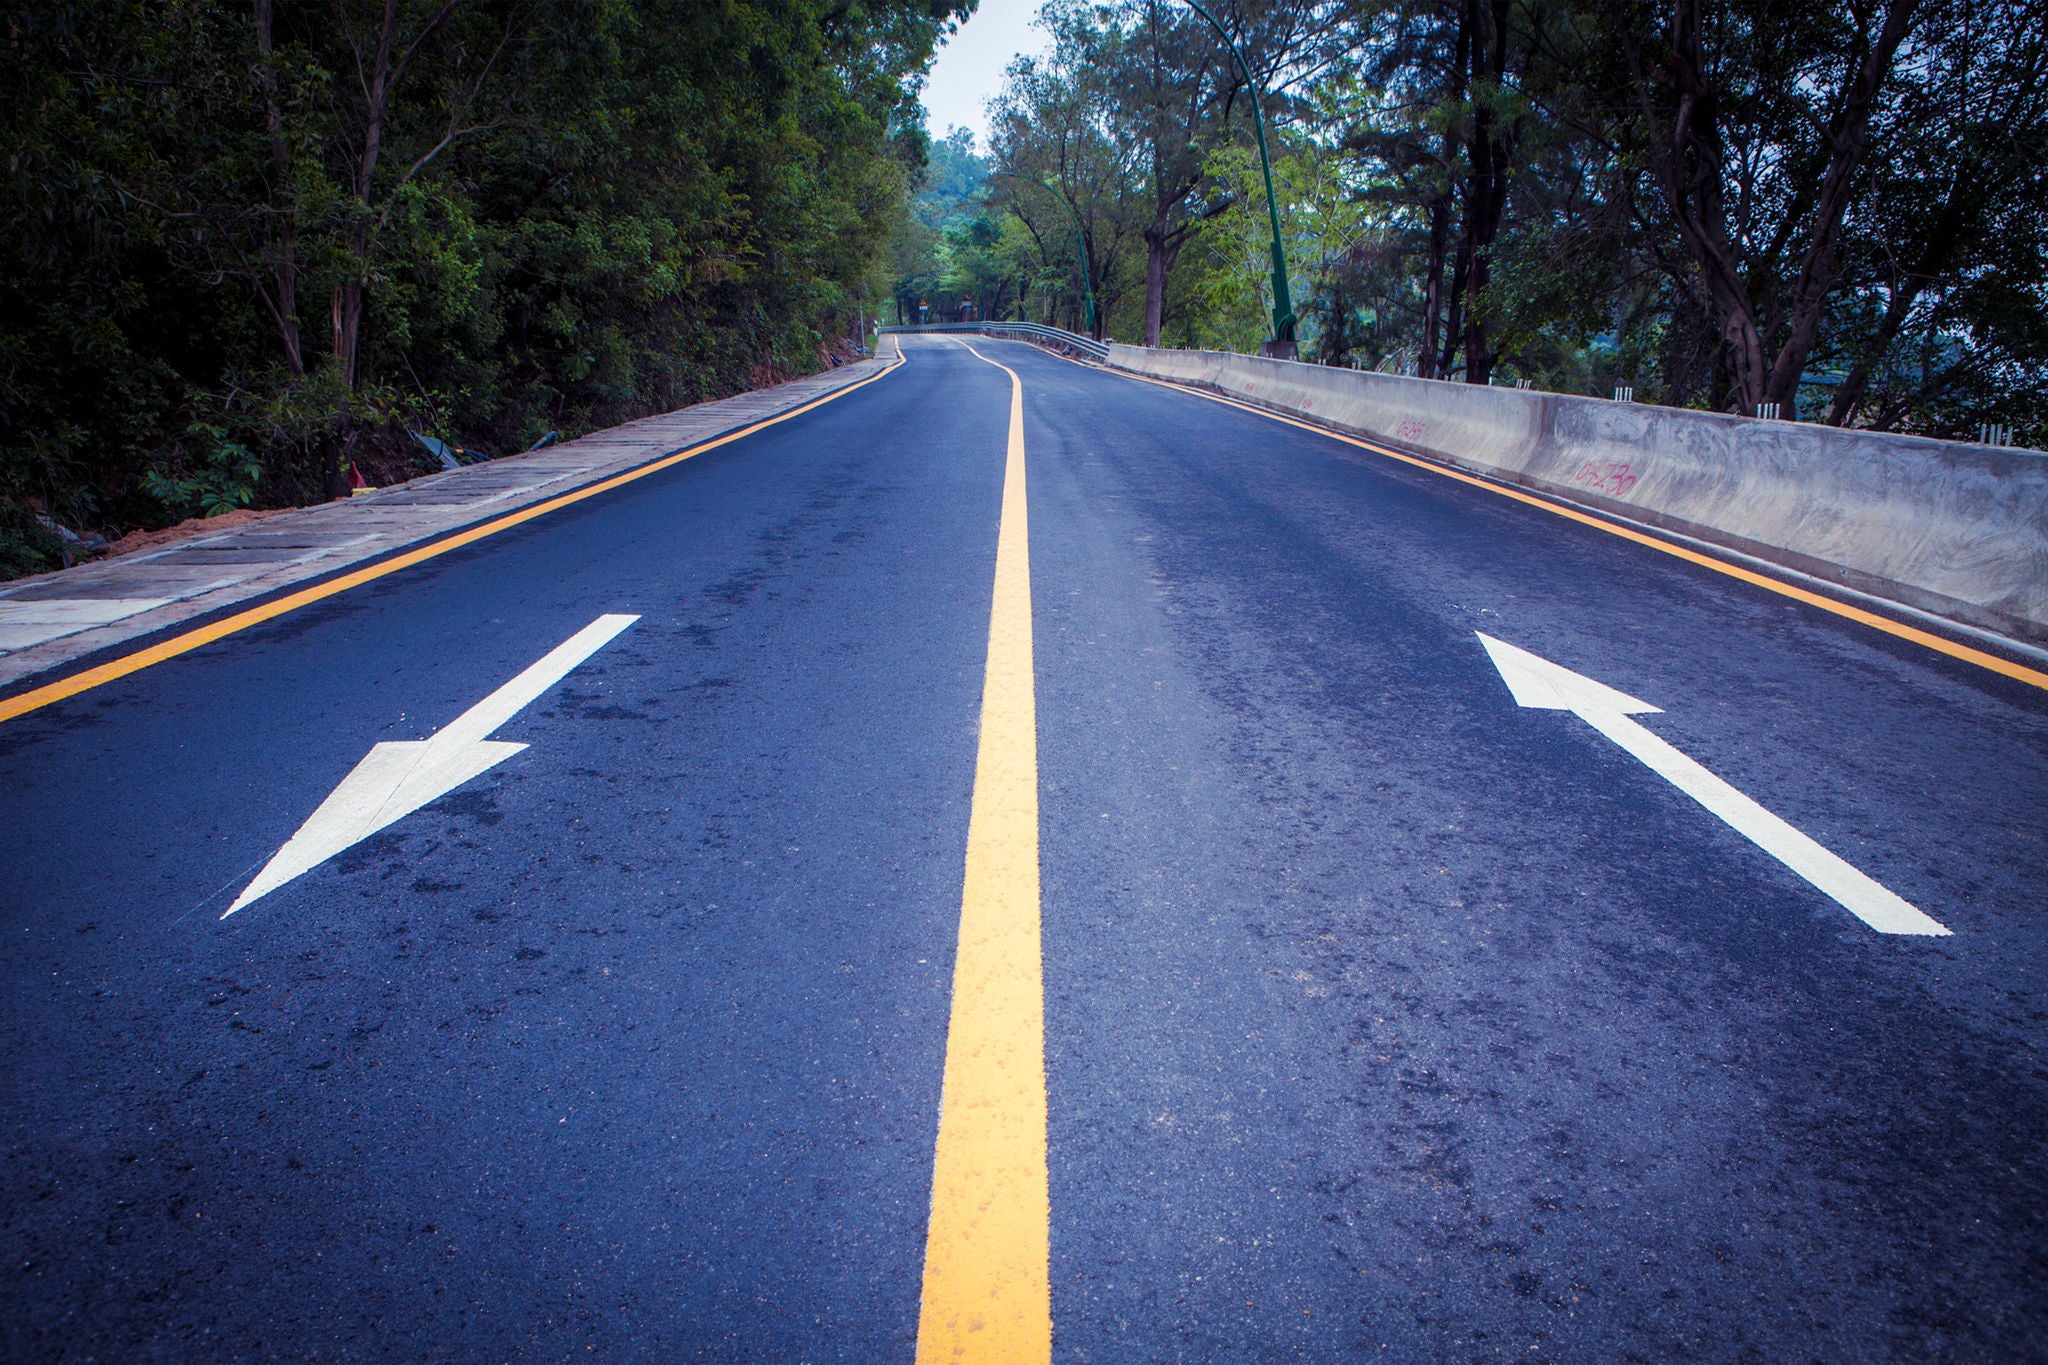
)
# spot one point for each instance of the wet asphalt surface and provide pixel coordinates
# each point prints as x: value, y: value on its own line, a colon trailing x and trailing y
x: 1384, y: 1019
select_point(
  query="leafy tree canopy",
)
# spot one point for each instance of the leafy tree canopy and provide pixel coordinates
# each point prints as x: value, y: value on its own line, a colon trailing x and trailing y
x: 249, y: 244
x: 1833, y: 207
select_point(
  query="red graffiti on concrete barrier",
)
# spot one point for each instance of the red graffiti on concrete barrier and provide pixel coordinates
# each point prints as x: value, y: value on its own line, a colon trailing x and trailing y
x: 1613, y: 477
x: 1411, y: 429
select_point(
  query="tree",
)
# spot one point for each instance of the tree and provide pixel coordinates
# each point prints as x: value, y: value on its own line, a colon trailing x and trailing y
x: 297, y: 230
x: 1833, y: 208
x: 1052, y: 129
x: 1951, y: 242
x: 1757, y: 121
x: 1170, y: 88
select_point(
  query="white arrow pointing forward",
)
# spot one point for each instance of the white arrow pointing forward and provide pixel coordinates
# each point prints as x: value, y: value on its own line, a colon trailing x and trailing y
x: 1537, y: 682
x: 397, y: 778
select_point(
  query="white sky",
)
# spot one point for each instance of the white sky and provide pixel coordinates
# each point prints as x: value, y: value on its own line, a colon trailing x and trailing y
x: 969, y: 68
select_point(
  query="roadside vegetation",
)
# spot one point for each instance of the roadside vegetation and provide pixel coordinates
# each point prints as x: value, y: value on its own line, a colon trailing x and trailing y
x: 250, y: 246
x: 1840, y: 208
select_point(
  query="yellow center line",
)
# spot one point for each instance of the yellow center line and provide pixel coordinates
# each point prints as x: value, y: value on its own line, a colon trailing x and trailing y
x: 987, y: 1260
x: 87, y: 679
x: 1928, y: 639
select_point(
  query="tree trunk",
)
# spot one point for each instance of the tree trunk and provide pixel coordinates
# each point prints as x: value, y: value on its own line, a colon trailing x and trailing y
x: 384, y: 78
x: 281, y: 300
x: 1847, y: 142
x: 1688, y: 163
x: 1486, y: 196
x: 1856, y: 384
x: 1435, y: 349
x: 1162, y: 247
x: 1454, y: 316
x: 1943, y: 237
x: 348, y: 327
x: 1088, y: 292
x: 348, y: 295
x: 1155, y: 286
x: 1433, y: 286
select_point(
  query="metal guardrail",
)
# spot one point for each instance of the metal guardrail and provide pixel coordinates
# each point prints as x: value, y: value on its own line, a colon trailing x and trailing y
x: 1070, y: 342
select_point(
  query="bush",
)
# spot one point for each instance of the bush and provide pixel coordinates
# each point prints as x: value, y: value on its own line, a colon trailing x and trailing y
x: 224, y: 481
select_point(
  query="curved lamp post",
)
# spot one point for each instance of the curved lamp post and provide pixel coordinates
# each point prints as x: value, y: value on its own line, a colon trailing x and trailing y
x: 1080, y: 239
x: 1282, y: 344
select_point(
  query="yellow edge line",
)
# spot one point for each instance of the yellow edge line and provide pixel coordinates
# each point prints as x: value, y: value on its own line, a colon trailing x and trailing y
x: 987, y: 1265
x: 1903, y: 631
x: 107, y: 672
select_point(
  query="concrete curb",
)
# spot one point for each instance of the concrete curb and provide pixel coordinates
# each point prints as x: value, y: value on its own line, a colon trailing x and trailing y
x: 1956, y: 530
x: 53, y: 620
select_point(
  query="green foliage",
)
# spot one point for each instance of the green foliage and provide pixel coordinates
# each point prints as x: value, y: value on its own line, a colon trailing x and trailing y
x: 580, y: 212
x: 222, y: 479
x: 1330, y: 234
x: 954, y: 177
x: 26, y: 545
x: 950, y: 251
x: 1491, y: 192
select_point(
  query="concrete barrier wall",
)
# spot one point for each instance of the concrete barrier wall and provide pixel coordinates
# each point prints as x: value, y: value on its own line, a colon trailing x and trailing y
x: 1960, y: 530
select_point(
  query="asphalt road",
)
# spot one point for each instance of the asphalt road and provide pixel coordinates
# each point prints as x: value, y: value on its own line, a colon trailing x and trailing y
x: 1383, y: 1018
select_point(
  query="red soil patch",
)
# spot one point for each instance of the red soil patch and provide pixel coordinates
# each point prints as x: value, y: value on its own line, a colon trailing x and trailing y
x: 185, y: 530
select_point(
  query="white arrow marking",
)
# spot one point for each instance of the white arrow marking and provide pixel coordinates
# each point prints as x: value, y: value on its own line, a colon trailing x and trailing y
x: 397, y: 778
x: 1537, y: 682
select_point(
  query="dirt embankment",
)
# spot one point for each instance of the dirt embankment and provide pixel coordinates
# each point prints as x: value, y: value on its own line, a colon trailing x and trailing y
x: 383, y: 457
x: 185, y: 530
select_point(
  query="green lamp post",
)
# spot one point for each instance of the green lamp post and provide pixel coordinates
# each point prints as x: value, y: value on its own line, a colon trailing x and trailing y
x: 1282, y: 344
